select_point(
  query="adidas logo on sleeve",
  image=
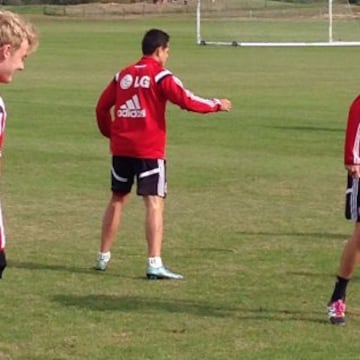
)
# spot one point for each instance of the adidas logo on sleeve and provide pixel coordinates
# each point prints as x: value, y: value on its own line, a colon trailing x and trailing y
x: 131, y: 109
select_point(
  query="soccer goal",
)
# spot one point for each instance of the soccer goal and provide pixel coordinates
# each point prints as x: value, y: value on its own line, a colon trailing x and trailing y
x: 278, y: 23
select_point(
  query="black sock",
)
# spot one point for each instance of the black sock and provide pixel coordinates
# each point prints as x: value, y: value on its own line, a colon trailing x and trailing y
x: 2, y: 262
x: 339, y: 289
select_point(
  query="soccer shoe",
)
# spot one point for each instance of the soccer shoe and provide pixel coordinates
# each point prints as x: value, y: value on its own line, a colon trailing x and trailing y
x: 102, y: 262
x: 153, y: 273
x: 336, y: 312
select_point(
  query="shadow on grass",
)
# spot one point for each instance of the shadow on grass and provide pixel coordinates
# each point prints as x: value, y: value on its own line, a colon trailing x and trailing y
x: 148, y: 306
x: 311, y: 274
x: 72, y: 269
x: 144, y: 305
x: 307, y: 128
x: 318, y: 275
x: 53, y: 267
x: 296, y: 234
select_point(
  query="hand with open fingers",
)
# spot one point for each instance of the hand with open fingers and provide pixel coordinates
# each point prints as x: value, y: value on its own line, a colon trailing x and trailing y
x: 225, y: 105
x: 353, y: 170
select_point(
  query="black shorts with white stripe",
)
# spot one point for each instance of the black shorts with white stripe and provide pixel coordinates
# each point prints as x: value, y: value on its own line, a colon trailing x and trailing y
x: 150, y: 175
x: 352, y: 199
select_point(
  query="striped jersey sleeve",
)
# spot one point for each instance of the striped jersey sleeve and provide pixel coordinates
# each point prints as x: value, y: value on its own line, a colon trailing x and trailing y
x: 104, y: 106
x: 175, y: 92
x: 352, y: 136
x: 2, y: 124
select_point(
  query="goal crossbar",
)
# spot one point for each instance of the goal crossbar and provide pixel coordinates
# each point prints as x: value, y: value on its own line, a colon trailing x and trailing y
x: 279, y: 44
x: 330, y: 42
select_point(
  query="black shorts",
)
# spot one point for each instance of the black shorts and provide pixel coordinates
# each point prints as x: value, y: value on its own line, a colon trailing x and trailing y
x: 150, y: 175
x: 2, y: 262
x: 352, y: 199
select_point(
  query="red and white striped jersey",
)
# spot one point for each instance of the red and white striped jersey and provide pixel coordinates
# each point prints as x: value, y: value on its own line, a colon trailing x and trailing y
x: 2, y: 231
x: 131, y: 109
x: 2, y: 135
x: 352, y: 137
x: 2, y: 124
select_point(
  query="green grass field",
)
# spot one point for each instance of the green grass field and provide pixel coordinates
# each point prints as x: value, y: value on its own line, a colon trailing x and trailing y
x: 254, y: 216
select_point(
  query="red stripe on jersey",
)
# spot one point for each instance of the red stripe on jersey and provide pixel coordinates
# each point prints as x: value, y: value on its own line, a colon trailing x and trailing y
x: 2, y: 123
x: 2, y: 231
x: 352, y: 137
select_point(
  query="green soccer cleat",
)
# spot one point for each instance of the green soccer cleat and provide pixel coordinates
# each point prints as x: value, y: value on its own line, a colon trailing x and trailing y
x: 153, y: 273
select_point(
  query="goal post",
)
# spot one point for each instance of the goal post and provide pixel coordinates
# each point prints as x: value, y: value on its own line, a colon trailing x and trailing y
x: 274, y: 23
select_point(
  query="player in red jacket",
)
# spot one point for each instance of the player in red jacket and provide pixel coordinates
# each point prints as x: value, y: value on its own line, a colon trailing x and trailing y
x: 351, y: 252
x: 131, y: 113
x: 18, y: 39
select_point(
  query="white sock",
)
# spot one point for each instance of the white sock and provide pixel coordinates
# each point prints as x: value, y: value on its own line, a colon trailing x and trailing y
x: 105, y: 256
x: 155, y: 261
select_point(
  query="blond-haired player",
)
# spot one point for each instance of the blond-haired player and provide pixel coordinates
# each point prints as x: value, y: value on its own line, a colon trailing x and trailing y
x: 18, y: 38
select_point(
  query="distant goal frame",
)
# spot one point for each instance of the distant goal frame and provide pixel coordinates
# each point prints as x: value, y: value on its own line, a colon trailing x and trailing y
x: 330, y: 42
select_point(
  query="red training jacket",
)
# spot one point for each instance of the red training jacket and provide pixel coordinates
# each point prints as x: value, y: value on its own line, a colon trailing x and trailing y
x: 352, y: 138
x: 131, y: 109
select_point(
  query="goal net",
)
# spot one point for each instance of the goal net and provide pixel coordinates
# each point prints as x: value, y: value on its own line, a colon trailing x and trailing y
x: 278, y: 23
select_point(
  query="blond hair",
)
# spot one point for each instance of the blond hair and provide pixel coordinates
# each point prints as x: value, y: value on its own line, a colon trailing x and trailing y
x: 14, y: 30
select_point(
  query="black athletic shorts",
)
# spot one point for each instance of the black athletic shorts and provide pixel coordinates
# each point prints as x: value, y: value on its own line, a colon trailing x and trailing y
x: 150, y: 175
x: 352, y: 199
x: 2, y: 262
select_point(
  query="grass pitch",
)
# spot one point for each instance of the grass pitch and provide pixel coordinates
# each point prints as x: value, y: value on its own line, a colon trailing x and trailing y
x: 254, y: 217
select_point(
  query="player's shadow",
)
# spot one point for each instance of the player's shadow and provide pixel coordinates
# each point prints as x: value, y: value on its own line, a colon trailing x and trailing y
x: 308, y: 128
x: 202, y: 309
x: 27, y: 265
x: 317, y: 235
x: 143, y: 305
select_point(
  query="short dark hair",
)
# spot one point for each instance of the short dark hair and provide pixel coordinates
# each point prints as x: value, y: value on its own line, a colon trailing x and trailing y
x: 153, y: 39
